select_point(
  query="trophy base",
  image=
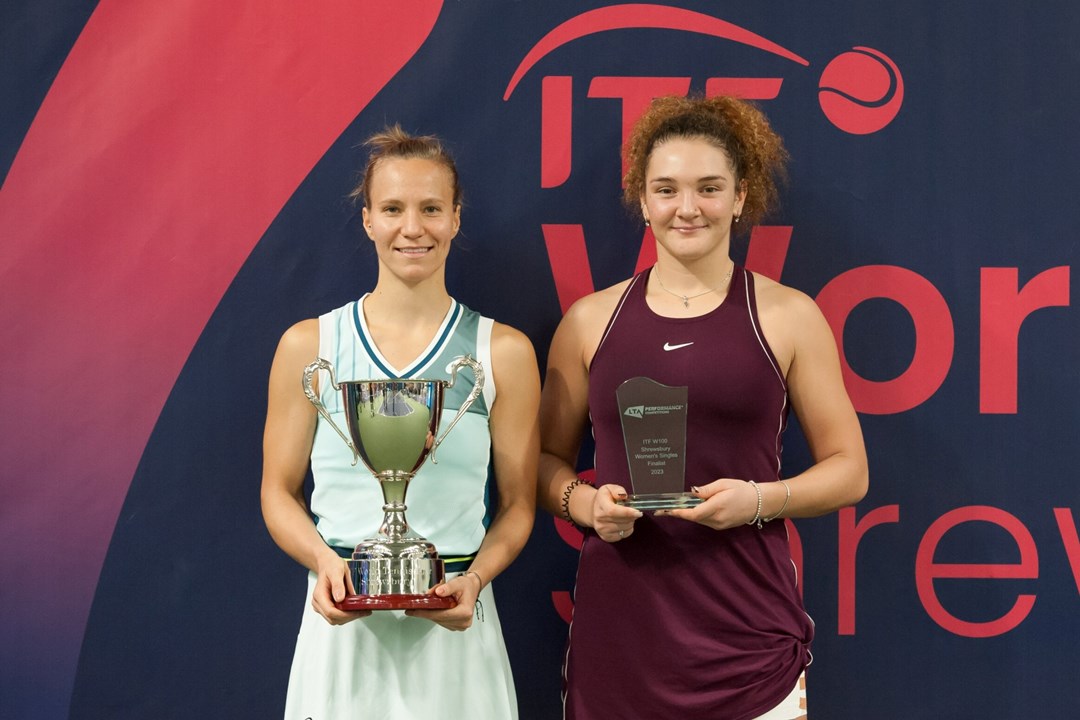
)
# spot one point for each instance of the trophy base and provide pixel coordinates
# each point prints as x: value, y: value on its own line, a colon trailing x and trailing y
x: 660, y: 501
x: 394, y: 583
x: 395, y: 602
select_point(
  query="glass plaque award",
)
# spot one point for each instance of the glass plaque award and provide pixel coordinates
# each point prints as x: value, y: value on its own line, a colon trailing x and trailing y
x: 654, y: 433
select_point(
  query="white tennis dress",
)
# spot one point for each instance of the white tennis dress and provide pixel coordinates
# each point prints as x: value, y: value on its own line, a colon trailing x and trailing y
x: 388, y: 665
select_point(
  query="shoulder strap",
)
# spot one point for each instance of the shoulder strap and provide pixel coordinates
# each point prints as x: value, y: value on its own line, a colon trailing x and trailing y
x: 642, y: 277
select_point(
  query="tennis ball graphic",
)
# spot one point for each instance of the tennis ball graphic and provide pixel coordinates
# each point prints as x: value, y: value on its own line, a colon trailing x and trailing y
x: 861, y: 91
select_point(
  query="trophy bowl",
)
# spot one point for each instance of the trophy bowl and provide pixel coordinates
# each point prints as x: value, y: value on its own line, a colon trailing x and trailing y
x: 391, y: 427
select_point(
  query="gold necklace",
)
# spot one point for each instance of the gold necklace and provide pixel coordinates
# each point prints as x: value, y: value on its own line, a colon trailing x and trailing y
x: 687, y: 298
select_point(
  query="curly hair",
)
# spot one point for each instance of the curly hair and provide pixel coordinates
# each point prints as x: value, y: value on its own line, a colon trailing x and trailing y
x: 393, y: 142
x: 739, y: 128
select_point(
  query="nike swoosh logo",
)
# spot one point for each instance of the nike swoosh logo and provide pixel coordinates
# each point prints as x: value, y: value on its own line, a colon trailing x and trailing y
x: 669, y: 347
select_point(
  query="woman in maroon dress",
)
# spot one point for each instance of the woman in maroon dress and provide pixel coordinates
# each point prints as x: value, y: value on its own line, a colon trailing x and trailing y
x: 695, y: 612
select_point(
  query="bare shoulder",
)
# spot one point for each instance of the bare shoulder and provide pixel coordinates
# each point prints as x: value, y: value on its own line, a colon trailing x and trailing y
x: 587, y: 318
x: 302, y: 339
x: 789, y: 319
x: 776, y: 297
x: 510, y: 344
x: 602, y: 301
x: 298, y: 347
x: 514, y: 371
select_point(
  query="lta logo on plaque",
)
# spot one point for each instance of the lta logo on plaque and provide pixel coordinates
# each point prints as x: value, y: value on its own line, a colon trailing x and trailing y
x: 654, y: 433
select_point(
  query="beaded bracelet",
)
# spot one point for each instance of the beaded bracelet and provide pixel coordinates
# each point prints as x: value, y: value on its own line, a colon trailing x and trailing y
x: 782, y: 507
x: 757, y: 515
x: 566, y: 498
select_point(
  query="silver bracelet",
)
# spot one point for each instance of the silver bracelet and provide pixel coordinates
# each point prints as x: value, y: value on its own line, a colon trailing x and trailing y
x: 782, y: 507
x: 757, y: 515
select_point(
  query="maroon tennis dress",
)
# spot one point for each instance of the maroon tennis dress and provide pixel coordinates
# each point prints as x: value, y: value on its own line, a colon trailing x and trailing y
x: 679, y: 620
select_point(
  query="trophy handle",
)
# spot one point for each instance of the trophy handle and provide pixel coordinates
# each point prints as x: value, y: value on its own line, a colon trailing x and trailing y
x: 313, y: 397
x: 478, y: 387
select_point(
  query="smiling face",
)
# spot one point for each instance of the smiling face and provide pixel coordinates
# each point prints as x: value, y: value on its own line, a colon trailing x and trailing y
x: 691, y: 198
x: 412, y: 217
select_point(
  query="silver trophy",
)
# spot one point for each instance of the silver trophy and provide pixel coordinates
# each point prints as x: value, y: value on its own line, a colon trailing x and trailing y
x: 392, y: 428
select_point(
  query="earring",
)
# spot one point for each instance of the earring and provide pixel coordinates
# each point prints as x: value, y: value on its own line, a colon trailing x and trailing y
x: 647, y: 223
x: 737, y: 217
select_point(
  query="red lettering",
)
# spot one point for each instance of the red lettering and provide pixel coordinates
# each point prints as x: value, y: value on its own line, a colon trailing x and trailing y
x: 933, y: 334
x: 926, y: 570
x: 746, y: 88
x: 636, y: 94
x: 569, y: 262
x: 850, y: 534
x: 564, y: 605
x: 768, y: 249
x: 569, y: 533
x: 556, y: 120
x: 556, y: 109
x: 1067, y: 527
x: 1002, y: 311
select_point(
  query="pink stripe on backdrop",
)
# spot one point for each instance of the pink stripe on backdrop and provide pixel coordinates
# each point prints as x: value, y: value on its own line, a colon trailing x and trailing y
x: 171, y: 138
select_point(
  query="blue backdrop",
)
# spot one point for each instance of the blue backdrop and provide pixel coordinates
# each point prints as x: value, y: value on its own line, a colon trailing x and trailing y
x: 173, y: 199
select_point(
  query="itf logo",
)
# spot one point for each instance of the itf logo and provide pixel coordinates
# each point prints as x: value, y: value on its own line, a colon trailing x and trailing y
x: 860, y: 91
